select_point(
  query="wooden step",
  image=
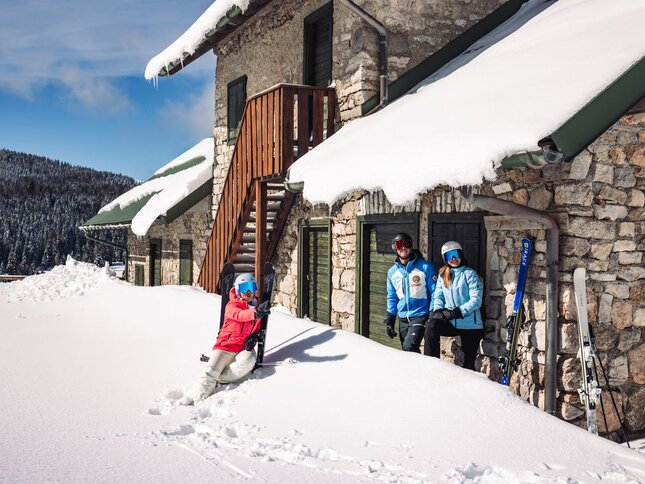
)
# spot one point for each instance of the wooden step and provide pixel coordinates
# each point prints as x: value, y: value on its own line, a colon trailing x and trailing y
x: 246, y: 248
x: 270, y: 218
x: 251, y: 230
x: 239, y: 268
x: 245, y: 259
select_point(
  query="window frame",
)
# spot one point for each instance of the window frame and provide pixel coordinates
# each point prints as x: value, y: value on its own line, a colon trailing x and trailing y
x: 232, y: 132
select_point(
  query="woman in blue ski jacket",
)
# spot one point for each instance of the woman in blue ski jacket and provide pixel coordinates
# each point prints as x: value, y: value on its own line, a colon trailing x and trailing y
x: 455, y: 306
x: 410, y: 284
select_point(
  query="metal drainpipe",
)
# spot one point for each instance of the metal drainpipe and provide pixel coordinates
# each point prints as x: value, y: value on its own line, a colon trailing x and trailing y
x: 382, y: 50
x: 552, y: 251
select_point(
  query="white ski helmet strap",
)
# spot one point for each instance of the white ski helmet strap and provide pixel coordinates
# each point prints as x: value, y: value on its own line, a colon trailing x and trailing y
x: 450, y: 245
x: 241, y: 279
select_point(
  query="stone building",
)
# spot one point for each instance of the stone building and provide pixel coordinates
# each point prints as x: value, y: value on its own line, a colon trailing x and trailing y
x: 167, y: 218
x: 331, y: 260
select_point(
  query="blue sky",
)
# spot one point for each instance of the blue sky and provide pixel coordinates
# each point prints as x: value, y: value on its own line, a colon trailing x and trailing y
x: 72, y: 85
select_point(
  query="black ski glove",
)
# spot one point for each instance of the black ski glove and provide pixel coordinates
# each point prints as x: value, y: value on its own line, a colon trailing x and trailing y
x: 262, y: 310
x: 456, y: 313
x: 443, y: 314
x: 250, y: 342
x: 390, y: 319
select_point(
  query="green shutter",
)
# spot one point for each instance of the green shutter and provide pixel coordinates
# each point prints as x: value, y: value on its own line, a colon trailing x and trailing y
x: 318, y: 275
x: 155, y: 262
x: 379, y: 264
x: 185, y: 262
x: 138, y: 275
x: 374, y: 258
x: 314, y: 268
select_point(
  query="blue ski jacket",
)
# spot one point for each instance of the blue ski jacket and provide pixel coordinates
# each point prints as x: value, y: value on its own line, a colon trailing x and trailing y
x: 410, y: 287
x: 466, y: 291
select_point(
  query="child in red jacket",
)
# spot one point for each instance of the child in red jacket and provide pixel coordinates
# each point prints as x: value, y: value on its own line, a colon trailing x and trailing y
x: 233, y: 355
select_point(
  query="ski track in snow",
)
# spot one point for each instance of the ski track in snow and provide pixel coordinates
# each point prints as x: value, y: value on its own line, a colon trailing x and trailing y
x: 215, y: 433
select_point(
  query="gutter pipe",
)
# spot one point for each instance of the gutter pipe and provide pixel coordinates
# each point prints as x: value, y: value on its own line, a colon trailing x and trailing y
x: 552, y: 246
x: 382, y: 50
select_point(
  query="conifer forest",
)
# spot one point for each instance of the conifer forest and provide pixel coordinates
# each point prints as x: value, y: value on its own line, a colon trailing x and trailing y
x: 42, y: 204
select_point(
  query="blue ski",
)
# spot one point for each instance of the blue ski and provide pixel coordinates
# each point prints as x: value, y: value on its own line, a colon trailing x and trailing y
x: 508, y: 361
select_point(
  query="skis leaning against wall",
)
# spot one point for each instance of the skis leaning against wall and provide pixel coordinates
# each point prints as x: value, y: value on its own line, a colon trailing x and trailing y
x: 227, y: 276
x: 589, y: 391
x: 508, y: 361
x: 267, y: 291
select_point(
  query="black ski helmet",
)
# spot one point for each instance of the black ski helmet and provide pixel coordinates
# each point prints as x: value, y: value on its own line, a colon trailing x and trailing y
x: 400, y: 236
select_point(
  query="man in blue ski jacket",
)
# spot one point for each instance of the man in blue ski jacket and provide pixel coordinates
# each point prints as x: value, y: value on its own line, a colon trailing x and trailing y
x: 410, y: 284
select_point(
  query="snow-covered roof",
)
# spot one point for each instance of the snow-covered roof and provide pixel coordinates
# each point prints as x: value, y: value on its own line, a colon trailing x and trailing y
x: 198, y: 34
x: 187, y: 175
x: 514, y: 87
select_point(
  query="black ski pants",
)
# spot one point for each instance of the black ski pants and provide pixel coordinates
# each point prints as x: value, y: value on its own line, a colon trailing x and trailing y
x: 411, y: 332
x: 440, y: 326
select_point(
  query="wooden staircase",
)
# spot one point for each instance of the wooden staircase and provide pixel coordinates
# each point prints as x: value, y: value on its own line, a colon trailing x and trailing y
x: 278, y: 126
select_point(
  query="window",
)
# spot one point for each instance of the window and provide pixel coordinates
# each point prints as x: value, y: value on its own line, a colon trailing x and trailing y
x: 155, y: 262
x: 317, y: 44
x: 138, y: 275
x: 236, y: 98
x: 185, y: 262
x: 466, y: 228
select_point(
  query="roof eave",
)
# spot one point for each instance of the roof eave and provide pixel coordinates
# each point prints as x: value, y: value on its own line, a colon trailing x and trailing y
x: 227, y: 25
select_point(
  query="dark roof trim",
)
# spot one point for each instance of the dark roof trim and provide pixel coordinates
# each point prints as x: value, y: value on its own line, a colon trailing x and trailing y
x: 189, y: 202
x: 226, y: 25
x: 181, y: 167
x: 446, y: 54
x: 123, y: 216
x: 599, y: 114
x: 596, y: 117
x: 119, y: 215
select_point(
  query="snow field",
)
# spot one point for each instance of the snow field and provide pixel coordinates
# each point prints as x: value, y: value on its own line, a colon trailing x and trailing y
x: 91, y: 384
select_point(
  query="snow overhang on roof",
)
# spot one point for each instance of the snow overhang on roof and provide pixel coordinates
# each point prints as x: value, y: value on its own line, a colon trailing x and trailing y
x: 218, y: 21
x: 521, y: 85
x: 170, y: 192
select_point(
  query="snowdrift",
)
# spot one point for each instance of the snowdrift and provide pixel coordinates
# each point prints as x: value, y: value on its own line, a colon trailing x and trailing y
x: 91, y: 384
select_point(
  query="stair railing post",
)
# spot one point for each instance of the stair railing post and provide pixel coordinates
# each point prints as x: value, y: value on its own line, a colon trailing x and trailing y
x: 260, y: 228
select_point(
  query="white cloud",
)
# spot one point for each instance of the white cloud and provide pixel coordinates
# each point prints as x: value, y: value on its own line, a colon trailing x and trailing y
x: 81, y: 44
x: 196, y: 114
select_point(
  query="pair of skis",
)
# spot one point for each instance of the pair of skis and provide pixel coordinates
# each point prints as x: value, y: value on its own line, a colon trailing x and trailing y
x: 227, y: 277
x: 590, y: 390
x: 508, y: 362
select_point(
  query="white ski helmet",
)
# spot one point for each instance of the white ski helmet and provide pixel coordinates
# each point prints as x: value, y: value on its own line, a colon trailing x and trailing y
x: 451, y: 245
x: 245, y: 282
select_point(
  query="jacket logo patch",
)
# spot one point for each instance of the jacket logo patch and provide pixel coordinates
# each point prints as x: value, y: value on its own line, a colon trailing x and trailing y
x: 434, y: 277
x: 416, y: 279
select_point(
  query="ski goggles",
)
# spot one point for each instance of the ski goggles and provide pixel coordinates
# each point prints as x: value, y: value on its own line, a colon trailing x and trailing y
x: 249, y: 286
x: 403, y: 244
x: 451, y: 254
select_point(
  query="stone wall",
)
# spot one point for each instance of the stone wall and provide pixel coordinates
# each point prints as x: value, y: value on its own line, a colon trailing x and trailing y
x: 194, y: 224
x: 599, y: 202
x: 415, y: 29
x: 268, y: 49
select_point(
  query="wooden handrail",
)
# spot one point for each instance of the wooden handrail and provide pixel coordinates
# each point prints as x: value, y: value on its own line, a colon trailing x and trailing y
x: 274, y: 131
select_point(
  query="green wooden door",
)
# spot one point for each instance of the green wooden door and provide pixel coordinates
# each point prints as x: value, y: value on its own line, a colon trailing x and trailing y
x: 379, y: 263
x: 138, y: 275
x: 314, y: 280
x: 155, y: 262
x: 185, y: 262
x: 375, y: 257
x: 466, y: 228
